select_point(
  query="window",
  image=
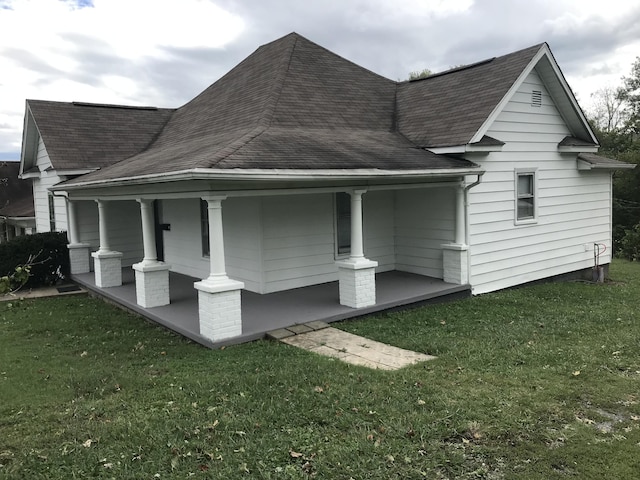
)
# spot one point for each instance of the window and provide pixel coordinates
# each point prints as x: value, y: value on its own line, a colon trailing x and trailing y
x: 204, y: 227
x: 525, y: 197
x: 343, y: 223
x: 52, y: 214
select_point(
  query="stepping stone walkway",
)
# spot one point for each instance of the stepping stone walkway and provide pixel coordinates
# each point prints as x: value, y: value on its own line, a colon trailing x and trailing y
x: 320, y: 338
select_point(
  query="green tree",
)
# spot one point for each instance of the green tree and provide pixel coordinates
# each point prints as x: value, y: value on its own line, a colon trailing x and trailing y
x: 418, y: 74
x: 631, y: 95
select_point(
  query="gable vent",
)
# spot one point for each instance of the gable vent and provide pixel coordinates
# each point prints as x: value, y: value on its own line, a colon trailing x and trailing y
x: 536, y: 98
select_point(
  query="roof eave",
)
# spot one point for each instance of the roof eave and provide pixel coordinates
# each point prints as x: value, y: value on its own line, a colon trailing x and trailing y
x: 584, y: 165
x: 465, y: 148
x: 269, y: 175
x: 577, y: 149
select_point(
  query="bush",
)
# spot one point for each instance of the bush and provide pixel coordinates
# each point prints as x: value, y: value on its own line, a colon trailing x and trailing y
x: 630, y: 244
x: 51, y: 264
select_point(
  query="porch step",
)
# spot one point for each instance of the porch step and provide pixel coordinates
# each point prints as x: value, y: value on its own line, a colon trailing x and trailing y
x: 297, y: 329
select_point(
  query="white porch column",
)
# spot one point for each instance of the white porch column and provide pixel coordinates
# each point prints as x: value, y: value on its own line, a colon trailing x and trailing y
x: 455, y: 257
x: 107, y: 263
x: 78, y: 251
x: 219, y: 302
x: 152, y: 276
x: 357, y: 274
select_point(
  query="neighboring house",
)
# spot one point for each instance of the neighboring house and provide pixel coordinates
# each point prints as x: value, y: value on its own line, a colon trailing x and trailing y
x: 16, y: 203
x: 299, y: 167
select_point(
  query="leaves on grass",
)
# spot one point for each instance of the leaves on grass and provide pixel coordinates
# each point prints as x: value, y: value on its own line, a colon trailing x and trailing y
x: 318, y: 389
x: 294, y: 454
x: 87, y: 443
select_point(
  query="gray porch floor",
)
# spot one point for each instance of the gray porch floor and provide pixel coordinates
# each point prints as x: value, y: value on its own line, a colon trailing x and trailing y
x: 263, y: 313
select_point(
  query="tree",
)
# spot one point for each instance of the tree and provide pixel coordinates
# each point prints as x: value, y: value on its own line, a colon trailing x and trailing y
x: 608, y: 113
x: 631, y: 96
x: 424, y: 73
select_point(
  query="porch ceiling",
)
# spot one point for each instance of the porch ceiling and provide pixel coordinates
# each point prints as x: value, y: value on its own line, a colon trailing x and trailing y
x: 263, y: 313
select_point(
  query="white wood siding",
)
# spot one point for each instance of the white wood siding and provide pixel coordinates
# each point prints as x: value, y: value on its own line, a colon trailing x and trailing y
x: 574, y: 207
x: 378, y: 210
x: 125, y: 230
x: 424, y: 221
x: 182, y: 244
x: 41, y: 194
x: 298, y: 241
x: 241, y: 226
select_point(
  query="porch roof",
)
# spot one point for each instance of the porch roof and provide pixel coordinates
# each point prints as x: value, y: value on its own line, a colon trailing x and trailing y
x: 264, y: 313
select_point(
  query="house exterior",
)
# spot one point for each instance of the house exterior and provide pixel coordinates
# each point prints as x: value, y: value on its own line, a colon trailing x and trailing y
x: 17, y: 216
x: 299, y: 167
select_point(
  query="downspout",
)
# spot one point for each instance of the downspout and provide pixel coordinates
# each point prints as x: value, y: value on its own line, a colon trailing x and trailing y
x: 466, y: 225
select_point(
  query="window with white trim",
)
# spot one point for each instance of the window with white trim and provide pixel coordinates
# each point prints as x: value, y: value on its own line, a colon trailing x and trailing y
x: 526, y: 201
x: 343, y: 223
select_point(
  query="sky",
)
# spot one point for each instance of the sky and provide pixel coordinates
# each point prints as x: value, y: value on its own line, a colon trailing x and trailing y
x: 164, y: 52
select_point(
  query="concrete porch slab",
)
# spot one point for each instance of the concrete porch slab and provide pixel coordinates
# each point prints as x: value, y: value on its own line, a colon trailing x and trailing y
x: 313, y: 306
x: 355, y: 349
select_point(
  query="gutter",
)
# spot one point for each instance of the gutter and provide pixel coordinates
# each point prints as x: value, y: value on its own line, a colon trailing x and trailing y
x: 267, y: 175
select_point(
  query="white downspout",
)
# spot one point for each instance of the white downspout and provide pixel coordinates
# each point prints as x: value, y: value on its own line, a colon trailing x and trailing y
x: 467, y: 224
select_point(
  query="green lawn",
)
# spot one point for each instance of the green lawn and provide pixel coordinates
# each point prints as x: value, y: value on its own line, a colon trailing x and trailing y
x: 541, y: 382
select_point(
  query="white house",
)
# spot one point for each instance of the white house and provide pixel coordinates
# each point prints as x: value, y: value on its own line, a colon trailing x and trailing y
x: 299, y: 168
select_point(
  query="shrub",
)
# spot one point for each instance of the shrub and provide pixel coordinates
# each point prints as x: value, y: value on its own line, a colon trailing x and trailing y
x: 630, y: 244
x: 51, y: 262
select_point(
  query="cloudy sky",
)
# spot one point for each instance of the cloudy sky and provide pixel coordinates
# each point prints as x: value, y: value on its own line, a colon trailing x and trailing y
x: 163, y: 53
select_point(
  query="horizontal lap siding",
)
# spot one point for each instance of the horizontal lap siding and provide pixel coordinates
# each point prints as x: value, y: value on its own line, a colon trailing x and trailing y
x: 379, y: 232
x: 573, y: 206
x: 182, y: 243
x: 41, y: 195
x: 125, y: 230
x: 424, y: 221
x: 298, y: 241
x: 241, y: 227
x: 242, y: 241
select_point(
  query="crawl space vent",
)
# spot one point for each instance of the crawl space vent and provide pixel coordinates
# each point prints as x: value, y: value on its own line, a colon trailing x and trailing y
x: 536, y: 98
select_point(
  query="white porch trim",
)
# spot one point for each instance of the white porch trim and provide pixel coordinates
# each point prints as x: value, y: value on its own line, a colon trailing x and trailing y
x: 357, y: 274
x: 107, y: 263
x: 152, y: 276
x: 219, y: 306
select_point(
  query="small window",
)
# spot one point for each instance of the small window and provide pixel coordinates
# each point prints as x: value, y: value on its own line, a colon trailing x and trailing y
x: 204, y: 227
x: 52, y: 213
x: 343, y: 223
x: 525, y: 197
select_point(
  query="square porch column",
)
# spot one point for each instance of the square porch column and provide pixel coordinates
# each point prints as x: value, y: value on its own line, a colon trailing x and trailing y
x: 152, y: 276
x: 455, y: 256
x: 78, y: 251
x: 357, y: 274
x: 219, y: 302
x: 107, y: 263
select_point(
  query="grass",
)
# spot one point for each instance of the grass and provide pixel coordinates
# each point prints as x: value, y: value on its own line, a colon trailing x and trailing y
x: 541, y: 382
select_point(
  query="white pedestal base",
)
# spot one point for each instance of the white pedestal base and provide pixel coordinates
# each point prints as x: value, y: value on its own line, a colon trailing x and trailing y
x: 79, y: 257
x: 108, y: 268
x: 219, y: 308
x: 152, y: 284
x: 357, y: 281
x: 455, y: 263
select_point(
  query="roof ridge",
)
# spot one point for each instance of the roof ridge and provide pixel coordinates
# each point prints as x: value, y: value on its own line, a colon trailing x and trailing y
x: 278, y: 85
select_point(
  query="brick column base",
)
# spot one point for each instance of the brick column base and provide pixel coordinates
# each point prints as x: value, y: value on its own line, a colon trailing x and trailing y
x: 152, y: 284
x: 79, y: 257
x: 108, y: 268
x: 219, y: 308
x: 455, y: 263
x: 357, y: 283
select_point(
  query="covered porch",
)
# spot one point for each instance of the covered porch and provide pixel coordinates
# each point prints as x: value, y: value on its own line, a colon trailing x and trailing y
x: 266, y: 312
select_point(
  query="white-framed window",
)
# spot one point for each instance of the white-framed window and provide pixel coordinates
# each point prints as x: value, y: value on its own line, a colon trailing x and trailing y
x: 343, y: 223
x: 204, y: 227
x: 526, y: 204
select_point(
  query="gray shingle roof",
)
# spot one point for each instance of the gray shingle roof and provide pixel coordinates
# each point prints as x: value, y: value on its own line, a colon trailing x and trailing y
x: 596, y: 161
x: 291, y: 104
x: 88, y: 136
x: 448, y: 109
